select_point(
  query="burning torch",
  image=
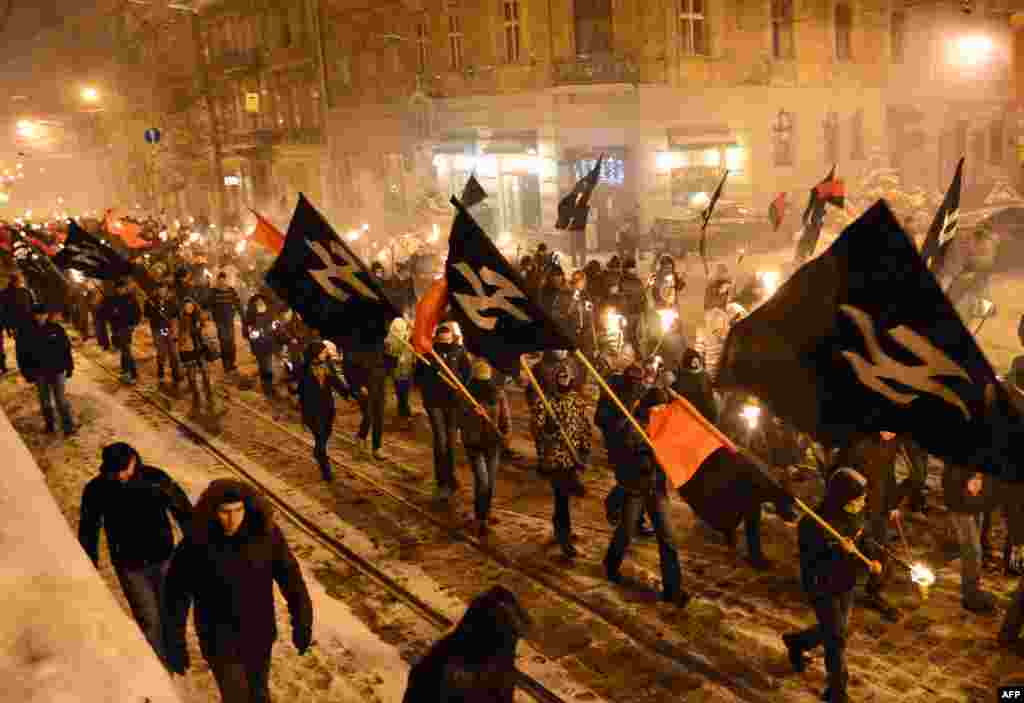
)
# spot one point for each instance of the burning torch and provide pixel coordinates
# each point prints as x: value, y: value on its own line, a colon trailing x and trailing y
x: 769, y: 282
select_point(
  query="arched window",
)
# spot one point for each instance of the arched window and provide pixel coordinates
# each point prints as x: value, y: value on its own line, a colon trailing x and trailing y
x: 844, y: 26
x: 782, y: 29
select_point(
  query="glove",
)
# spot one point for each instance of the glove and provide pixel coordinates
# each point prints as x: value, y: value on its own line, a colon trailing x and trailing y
x: 302, y: 637
x: 177, y: 659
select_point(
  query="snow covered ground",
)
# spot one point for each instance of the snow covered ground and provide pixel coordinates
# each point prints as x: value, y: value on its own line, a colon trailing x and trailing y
x: 348, y: 664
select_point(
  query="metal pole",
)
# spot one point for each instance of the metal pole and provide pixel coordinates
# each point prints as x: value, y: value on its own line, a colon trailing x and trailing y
x: 321, y: 60
x: 218, y: 157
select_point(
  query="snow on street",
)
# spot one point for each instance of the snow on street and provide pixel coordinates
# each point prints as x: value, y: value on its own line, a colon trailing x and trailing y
x: 347, y: 664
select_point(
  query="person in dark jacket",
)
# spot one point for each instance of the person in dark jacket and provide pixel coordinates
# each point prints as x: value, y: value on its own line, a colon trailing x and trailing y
x: 646, y: 486
x: 45, y: 360
x: 475, y: 663
x: 162, y: 312
x: 15, y: 311
x: 194, y: 351
x: 968, y: 494
x: 828, y: 573
x: 401, y: 290
x: 442, y: 405
x: 319, y: 383
x: 482, y: 441
x: 635, y: 300
x: 130, y: 501
x: 367, y: 372
x: 261, y: 327
x: 692, y: 383
x: 100, y: 323
x: 228, y: 565
x: 224, y: 304
x: 124, y: 314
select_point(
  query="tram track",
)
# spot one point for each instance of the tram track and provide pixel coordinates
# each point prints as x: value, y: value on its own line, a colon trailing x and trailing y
x: 742, y: 681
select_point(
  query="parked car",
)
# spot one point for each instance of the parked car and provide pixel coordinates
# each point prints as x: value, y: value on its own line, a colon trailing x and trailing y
x: 733, y: 226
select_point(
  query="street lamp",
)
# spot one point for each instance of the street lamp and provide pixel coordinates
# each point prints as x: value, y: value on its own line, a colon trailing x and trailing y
x: 90, y: 94
x: 27, y: 129
x: 974, y: 50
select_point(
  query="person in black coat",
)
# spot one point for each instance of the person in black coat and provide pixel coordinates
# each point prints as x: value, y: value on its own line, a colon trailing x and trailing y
x: 475, y: 663
x: 228, y: 564
x: 162, y: 312
x: 828, y: 574
x: 45, y: 360
x: 224, y: 304
x: 15, y: 311
x: 130, y: 501
x: 319, y: 383
x: 124, y: 314
x: 367, y: 372
x: 261, y: 328
x: 442, y: 405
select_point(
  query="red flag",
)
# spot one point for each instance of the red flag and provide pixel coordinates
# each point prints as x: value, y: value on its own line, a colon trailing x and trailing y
x: 429, y: 311
x: 833, y: 192
x: 267, y: 235
x: 6, y: 240
x: 129, y: 232
x: 777, y: 211
x: 682, y: 440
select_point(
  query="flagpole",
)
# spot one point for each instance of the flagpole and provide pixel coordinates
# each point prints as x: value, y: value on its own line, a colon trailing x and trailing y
x: 761, y: 464
x: 454, y: 382
x: 611, y: 394
x: 550, y: 410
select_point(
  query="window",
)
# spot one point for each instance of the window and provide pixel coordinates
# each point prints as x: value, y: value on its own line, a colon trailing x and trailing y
x: 995, y: 146
x: 692, y: 28
x: 898, y: 36
x: 613, y: 169
x: 512, y: 44
x: 783, y: 140
x: 782, y: 29
x: 857, y: 136
x: 421, y: 46
x: 455, y: 42
x: 843, y: 27
x: 593, y: 24
x: 831, y: 127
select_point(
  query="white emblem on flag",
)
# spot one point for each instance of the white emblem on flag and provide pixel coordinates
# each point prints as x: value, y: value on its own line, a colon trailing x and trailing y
x: 473, y: 305
x: 344, y: 271
x: 86, y: 257
x: 950, y: 224
x: 884, y: 368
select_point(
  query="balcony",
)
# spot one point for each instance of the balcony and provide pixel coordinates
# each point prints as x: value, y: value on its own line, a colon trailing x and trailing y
x: 237, y: 61
x: 596, y: 69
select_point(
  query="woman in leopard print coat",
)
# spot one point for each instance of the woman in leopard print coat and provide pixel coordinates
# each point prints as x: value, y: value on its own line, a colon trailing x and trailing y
x: 556, y: 460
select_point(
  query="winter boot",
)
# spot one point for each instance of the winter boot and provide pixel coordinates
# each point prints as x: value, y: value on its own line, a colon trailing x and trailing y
x: 325, y: 467
x: 796, y: 653
x: 979, y: 601
x: 565, y: 542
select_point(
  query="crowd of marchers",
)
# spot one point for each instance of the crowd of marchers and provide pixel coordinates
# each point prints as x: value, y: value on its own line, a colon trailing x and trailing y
x: 635, y: 332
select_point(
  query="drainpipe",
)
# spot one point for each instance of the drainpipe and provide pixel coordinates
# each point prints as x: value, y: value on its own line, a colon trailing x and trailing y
x: 220, y: 216
x: 321, y: 60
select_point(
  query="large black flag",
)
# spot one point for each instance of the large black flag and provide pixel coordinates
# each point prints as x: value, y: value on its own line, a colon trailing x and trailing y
x: 499, y: 321
x: 328, y: 286
x: 945, y: 225
x: 48, y: 284
x: 473, y: 193
x: 830, y: 191
x: 84, y: 252
x: 862, y: 340
x: 574, y: 208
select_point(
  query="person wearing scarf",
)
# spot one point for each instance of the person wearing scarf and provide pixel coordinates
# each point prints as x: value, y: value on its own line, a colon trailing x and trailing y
x: 319, y: 383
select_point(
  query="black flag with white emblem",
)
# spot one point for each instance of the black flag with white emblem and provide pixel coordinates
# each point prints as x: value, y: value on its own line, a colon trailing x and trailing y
x: 945, y: 225
x: 574, y: 208
x: 48, y: 285
x: 473, y: 193
x: 84, y: 252
x: 862, y: 340
x: 323, y: 281
x: 498, y: 319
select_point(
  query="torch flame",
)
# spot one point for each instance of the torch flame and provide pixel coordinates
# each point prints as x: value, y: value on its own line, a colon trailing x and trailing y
x: 751, y: 413
x: 921, y: 574
x: 667, y: 318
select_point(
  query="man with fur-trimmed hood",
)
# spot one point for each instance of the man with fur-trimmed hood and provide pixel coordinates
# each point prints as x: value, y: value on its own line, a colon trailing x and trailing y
x: 475, y: 663
x: 228, y: 565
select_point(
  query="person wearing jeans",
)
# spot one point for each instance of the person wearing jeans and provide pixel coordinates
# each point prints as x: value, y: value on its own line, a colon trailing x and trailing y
x: 224, y: 304
x: 483, y: 432
x: 130, y: 501
x: 44, y: 359
x: 967, y: 498
x: 124, y: 313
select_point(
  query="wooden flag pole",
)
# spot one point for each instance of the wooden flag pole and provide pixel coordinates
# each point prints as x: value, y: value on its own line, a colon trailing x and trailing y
x: 455, y: 383
x: 761, y: 464
x: 549, y: 409
x: 615, y: 399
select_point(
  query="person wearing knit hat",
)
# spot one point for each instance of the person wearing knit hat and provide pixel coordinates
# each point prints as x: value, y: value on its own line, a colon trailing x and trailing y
x: 130, y: 501
x: 828, y: 572
x: 320, y: 381
x: 45, y: 360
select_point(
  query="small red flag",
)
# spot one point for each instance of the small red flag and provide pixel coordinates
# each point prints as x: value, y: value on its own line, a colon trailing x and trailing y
x: 129, y: 232
x: 429, y: 311
x: 267, y: 235
x: 681, y: 441
x: 777, y: 211
x: 832, y: 192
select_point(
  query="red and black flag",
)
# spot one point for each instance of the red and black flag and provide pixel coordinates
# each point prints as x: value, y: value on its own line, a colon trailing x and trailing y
x: 777, y: 211
x: 945, y: 225
x: 327, y: 285
x: 48, y: 284
x: 499, y: 321
x: 473, y: 193
x: 574, y: 208
x: 862, y: 340
x: 830, y: 191
x: 85, y: 253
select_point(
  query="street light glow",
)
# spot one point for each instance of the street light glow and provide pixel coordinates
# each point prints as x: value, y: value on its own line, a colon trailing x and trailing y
x: 90, y: 94
x: 974, y: 50
x: 27, y: 129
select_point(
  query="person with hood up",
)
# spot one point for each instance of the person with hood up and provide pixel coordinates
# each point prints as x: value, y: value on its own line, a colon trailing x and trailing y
x: 44, y: 359
x: 557, y: 461
x: 475, y: 663
x: 228, y: 565
x: 402, y: 364
x: 162, y: 312
x: 195, y: 350
x: 482, y: 442
x: 710, y: 341
x: 969, y: 494
x: 828, y: 574
x: 442, y: 405
x: 692, y: 383
x: 16, y: 303
x: 261, y: 327
x: 646, y: 488
x: 124, y: 313
x: 130, y: 501
x: 320, y: 381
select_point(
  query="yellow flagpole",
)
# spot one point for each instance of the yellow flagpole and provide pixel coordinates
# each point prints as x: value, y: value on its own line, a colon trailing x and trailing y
x: 550, y: 410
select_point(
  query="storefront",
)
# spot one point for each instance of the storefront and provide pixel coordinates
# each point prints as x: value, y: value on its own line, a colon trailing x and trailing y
x: 614, y: 201
x: 694, y: 162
